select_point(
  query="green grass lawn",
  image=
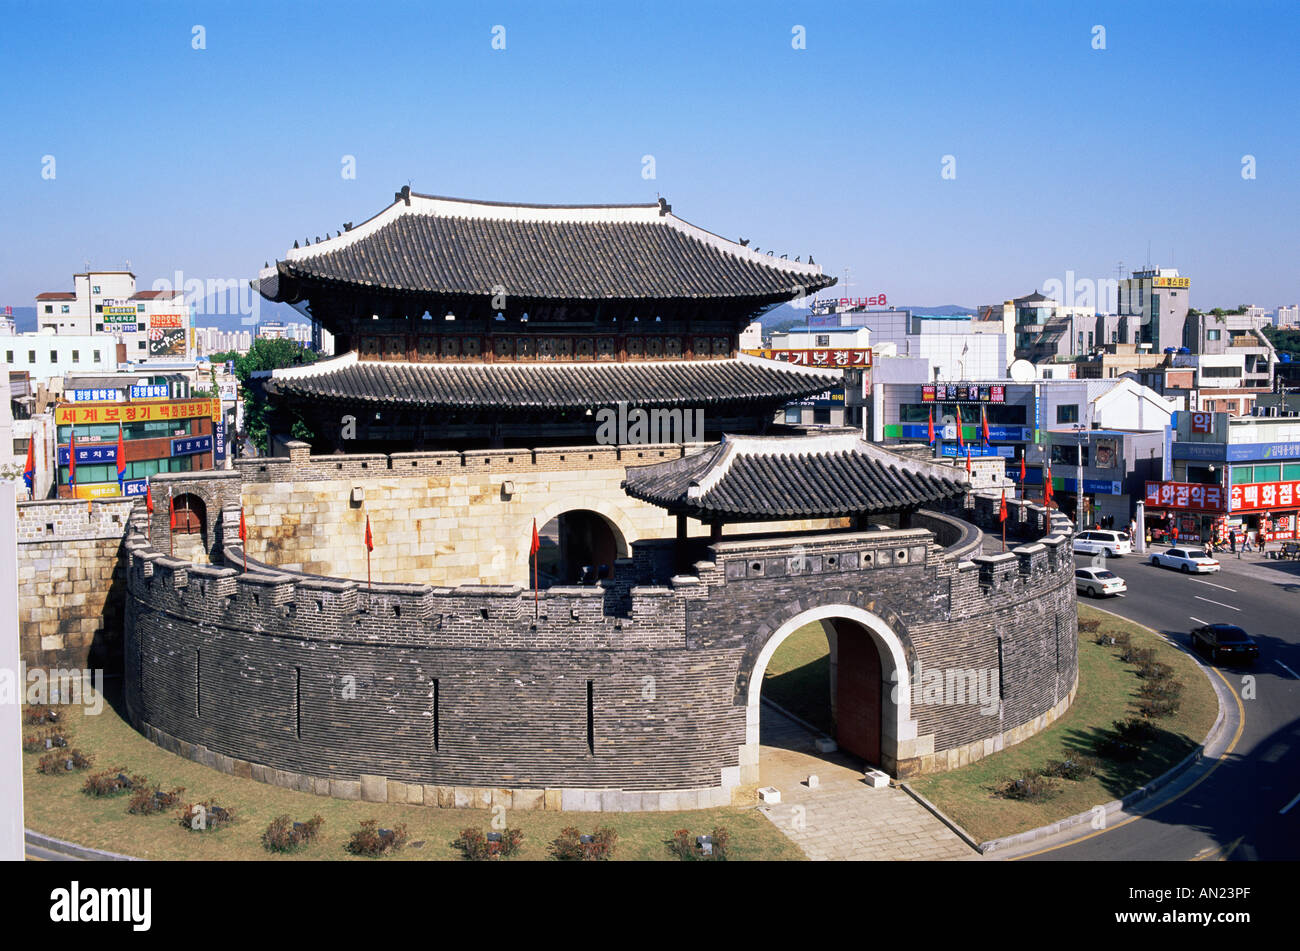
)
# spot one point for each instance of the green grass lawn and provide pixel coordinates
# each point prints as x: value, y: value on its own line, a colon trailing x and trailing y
x: 798, y: 677
x: 56, y: 806
x: 1107, y: 692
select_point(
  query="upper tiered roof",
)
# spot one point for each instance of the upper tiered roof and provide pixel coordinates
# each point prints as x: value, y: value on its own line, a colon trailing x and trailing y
x: 431, y: 246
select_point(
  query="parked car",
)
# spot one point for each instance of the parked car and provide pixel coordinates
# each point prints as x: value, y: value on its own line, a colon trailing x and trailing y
x: 1187, y: 560
x: 1098, y: 582
x: 1110, y: 544
x: 1222, y: 642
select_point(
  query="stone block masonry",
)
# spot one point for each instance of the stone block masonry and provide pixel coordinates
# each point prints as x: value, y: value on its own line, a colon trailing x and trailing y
x: 71, y: 582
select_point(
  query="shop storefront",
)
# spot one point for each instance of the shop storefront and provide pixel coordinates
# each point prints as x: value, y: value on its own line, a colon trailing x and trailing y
x: 1194, y: 510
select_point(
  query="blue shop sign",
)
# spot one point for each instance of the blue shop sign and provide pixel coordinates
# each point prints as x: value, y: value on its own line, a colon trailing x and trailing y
x: 976, y: 452
x: 150, y: 392
x: 90, y: 454
x: 190, y: 445
x: 1093, y: 486
x: 998, y: 433
x: 134, y: 486
x: 219, y: 440
x: 1199, y: 451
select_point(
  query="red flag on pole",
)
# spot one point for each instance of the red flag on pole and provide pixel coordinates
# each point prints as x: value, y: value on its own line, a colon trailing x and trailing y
x: 930, y: 429
x: 171, y: 536
x: 148, y: 497
x: 533, y: 549
x: 1022, y: 473
x: 960, y: 441
x: 1002, y: 507
x: 984, y: 425
x: 1047, y: 487
x: 968, y: 460
x: 29, y: 470
x: 121, y: 461
x: 370, y: 546
x: 243, y: 536
x: 72, y: 461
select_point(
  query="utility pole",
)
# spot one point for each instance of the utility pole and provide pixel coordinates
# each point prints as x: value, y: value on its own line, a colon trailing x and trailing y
x: 1078, y: 486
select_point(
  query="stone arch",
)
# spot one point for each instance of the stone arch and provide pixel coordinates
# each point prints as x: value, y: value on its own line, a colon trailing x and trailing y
x: 898, y: 739
x: 615, y: 518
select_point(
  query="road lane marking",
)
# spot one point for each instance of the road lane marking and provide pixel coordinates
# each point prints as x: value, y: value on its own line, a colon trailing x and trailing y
x: 1213, y: 585
x: 1288, y: 669
x: 1198, y: 620
x: 1223, y: 758
x: 1283, y: 810
x: 1219, y: 603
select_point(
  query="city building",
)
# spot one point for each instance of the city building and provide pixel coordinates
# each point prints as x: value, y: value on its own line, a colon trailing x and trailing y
x: 1152, y: 311
x: 1287, y: 316
x: 46, y: 354
x: 151, y: 325
x: 1046, y: 330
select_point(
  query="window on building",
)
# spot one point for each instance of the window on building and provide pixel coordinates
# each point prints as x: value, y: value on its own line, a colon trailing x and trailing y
x: 9, y: 356
x: 1220, y: 371
x: 94, y: 289
x: 1242, y: 475
x: 1213, y: 334
x: 793, y: 415
x: 64, y: 310
x: 1291, y: 472
x: 96, y: 352
x: 54, y: 356
x: 99, y: 308
x: 822, y: 416
x: 823, y: 340
x: 139, y: 308
x: 20, y: 447
x: 99, y: 328
x: 1268, y: 473
x: 1114, y: 336
x: 31, y: 357
x: 49, y: 308
x: 140, y: 345
x: 1089, y: 339
x: 1067, y: 413
x: 76, y: 356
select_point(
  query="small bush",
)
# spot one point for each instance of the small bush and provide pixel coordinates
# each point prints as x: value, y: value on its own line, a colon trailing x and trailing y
x: 1138, y: 655
x: 40, y: 716
x: 373, y: 841
x: 1164, y: 688
x: 684, y: 846
x: 1074, y: 768
x: 1105, y: 639
x: 64, y: 761
x: 569, y: 845
x: 149, y: 801
x: 1089, y: 626
x: 111, y: 782
x: 1123, y: 639
x: 285, y: 835
x: 1159, y: 708
x: 475, y: 845
x: 205, y: 816
x: 52, y: 738
x: 1031, y: 787
x: 1155, y: 670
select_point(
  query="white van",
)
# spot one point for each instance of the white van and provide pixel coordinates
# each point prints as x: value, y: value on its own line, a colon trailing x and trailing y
x: 1096, y: 541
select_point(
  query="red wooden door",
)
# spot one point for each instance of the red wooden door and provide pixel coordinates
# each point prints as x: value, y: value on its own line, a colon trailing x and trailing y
x: 857, y: 692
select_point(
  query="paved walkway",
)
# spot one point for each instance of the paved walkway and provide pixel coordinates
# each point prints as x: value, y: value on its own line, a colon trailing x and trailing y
x: 843, y: 818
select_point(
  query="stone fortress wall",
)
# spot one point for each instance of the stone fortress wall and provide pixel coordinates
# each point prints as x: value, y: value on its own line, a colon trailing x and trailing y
x: 443, y: 518
x: 636, y: 693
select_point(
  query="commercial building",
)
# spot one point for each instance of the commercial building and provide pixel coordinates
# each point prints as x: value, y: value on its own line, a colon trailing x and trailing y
x: 150, y: 325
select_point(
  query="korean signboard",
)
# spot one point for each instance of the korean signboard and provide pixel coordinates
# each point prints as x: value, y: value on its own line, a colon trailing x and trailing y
x: 95, y: 396
x: 1202, y: 422
x: 1265, y: 495
x: 166, y: 321
x: 1171, y: 282
x: 1185, y: 495
x: 963, y: 393
x: 92, y: 454
x: 136, y: 412
x: 821, y: 357
x: 190, y: 445
x: 104, y: 490
x: 166, y: 343
x: 151, y: 391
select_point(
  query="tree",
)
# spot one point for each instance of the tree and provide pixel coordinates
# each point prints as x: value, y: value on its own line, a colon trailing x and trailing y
x: 266, y: 355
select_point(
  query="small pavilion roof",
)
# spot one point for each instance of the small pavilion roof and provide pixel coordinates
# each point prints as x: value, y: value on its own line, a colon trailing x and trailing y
x: 756, y: 478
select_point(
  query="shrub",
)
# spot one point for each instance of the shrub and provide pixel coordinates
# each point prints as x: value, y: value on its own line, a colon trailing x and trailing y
x: 50, y: 739
x: 684, y: 846
x: 1031, y: 787
x: 1105, y: 639
x: 149, y: 801
x: 285, y: 835
x: 1123, y: 639
x: 1164, y: 688
x: 373, y: 841
x: 1155, y: 670
x: 1075, y: 768
x: 476, y: 846
x: 1138, y: 655
x: 205, y: 816
x: 40, y: 716
x: 1136, y: 730
x: 1089, y: 626
x: 569, y: 845
x: 1159, y: 708
x: 63, y: 762
x: 111, y: 782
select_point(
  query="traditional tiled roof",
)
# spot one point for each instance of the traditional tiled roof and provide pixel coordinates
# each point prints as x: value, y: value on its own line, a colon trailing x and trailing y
x: 550, y: 386
x: 752, y: 478
x: 427, y: 245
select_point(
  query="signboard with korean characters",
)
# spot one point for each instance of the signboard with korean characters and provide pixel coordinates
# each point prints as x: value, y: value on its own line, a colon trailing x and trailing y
x: 1265, y: 495
x: 71, y: 414
x: 963, y: 393
x: 95, y: 396
x: 190, y: 445
x: 1185, y: 495
x: 831, y: 358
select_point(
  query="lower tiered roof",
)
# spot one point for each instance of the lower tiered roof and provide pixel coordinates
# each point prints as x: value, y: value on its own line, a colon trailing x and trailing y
x: 753, y: 478
x: 550, y: 386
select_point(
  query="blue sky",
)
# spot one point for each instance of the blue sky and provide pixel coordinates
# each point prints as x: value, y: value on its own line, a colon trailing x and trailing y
x: 211, y: 161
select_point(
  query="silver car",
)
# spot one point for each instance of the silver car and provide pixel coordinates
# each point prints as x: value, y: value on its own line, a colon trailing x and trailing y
x: 1186, y: 560
x: 1098, y: 582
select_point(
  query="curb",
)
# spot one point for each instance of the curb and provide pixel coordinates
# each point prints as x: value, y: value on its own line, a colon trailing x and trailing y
x: 1142, y: 792
x: 73, y: 850
x: 934, y: 810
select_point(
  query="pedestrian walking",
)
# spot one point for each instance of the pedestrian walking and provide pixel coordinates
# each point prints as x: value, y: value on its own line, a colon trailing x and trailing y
x: 1173, y: 533
x: 1232, y: 540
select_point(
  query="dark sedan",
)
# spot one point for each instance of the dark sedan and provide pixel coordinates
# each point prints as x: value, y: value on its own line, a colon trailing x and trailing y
x: 1225, y: 642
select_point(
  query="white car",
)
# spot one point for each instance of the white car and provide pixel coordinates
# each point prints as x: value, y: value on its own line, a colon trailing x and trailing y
x: 1187, y: 560
x: 1110, y: 544
x: 1098, y: 582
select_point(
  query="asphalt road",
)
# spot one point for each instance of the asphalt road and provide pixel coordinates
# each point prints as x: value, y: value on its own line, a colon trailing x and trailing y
x: 1247, y: 807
